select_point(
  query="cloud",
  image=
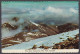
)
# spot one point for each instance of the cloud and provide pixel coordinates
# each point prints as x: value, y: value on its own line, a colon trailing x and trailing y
x: 10, y: 11
x: 73, y: 10
x: 48, y: 15
x: 54, y: 10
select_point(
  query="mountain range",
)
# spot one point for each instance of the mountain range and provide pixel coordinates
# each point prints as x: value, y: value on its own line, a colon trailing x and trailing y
x: 33, y: 30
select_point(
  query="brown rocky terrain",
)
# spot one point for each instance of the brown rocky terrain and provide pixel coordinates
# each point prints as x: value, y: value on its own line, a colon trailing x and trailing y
x: 67, y: 27
x: 21, y: 37
x: 43, y: 31
x: 70, y: 43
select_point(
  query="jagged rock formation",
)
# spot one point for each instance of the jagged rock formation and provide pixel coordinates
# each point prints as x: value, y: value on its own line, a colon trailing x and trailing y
x: 10, y: 27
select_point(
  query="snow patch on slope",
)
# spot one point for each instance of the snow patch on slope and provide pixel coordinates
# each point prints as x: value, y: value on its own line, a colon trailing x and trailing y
x: 47, y: 41
x: 35, y: 23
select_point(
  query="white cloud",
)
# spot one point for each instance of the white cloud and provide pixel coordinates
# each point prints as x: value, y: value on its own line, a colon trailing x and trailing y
x: 73, y: 10
x: 54, y: 10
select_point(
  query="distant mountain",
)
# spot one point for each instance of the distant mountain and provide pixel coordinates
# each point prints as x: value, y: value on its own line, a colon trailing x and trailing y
x: 67, y: 27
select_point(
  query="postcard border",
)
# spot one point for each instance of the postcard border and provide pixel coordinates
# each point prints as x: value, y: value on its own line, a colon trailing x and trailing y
x: 41, y: 0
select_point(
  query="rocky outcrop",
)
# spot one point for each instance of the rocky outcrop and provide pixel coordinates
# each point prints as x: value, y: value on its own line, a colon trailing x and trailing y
x: 15, y: 19
x: 67, y: 27
x: 30, y: 27
x: 9, y: 26
x: 70, y: 43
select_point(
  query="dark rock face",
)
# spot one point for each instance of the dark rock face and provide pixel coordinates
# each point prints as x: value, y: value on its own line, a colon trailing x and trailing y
x: 67, y: 27
x: 48, y: 29
x: 30, y: 28
x: 15, y: 19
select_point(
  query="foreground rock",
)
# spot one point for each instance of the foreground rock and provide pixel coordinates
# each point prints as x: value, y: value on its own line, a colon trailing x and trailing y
x: 70, y: 43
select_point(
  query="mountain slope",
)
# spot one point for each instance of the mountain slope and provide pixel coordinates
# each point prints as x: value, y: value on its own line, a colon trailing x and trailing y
x: 28, y: 30
x: 47, y: 41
